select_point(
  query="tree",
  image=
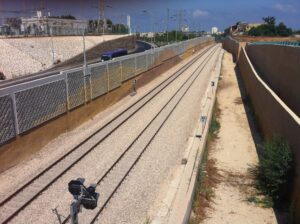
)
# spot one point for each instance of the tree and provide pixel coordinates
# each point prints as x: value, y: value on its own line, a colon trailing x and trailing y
x: 69, y: 16
x: 270, y: 20
x: 283, y: 31
x: 120, y: 28
x: 270, y: 28
x: 109, y: 22
x: 13, y: 22
x: 64, y: 17
x: 254, y: 31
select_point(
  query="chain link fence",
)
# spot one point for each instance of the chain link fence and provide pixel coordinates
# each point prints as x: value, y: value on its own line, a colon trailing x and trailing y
x: 30, y: 104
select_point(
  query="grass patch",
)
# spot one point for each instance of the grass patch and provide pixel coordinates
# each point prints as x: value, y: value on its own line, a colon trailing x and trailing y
x: 265, y: 201
x: 275, y: 170
x: 274, y: 173
x: 147, y: 221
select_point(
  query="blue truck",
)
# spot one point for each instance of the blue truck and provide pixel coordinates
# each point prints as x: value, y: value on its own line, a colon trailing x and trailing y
x: 109, y: 55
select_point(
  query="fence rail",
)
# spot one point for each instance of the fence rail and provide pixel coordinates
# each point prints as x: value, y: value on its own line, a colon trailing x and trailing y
x: 291, y: 44
x: 27, y: 105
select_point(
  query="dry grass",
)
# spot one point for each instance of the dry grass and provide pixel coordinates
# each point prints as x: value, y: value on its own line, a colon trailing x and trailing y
x: 209, y: 176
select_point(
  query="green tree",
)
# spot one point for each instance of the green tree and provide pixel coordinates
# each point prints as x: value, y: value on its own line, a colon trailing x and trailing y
x: 13, y: 22
x: 109, y: 22
x: 270, y: 20
x: 69, y: 16
x: 270, y: 28
x: 283, y: 31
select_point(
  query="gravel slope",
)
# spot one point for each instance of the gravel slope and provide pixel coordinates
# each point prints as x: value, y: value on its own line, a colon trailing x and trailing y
x: 21, y: 56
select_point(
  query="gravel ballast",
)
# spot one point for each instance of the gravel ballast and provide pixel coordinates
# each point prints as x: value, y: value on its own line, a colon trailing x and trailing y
x: 95, y: 164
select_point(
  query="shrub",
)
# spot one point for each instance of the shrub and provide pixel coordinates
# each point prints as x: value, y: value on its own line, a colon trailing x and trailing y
x: 57, y: 62
x: 275, y: 170
x: 2, y: 76
x: 214, y: 127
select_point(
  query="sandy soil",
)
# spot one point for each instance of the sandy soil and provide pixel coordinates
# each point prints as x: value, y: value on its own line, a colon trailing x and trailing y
x: 234, y: 152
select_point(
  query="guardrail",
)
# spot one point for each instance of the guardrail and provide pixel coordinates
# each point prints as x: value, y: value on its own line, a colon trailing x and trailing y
x: 291, y: 44
x: 27, y: 105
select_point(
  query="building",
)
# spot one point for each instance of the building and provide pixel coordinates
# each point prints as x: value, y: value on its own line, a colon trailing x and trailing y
x: 241, y: 28
x: 185, y: 29
x: 245, y: 27
x: 214, y: 30
x: 148, y: 34
x: 40, y: 25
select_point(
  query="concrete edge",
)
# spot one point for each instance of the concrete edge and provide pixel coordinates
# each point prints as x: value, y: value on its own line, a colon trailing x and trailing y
x: 202, y: 144
x: 177, y: 204
x: 276, y: 97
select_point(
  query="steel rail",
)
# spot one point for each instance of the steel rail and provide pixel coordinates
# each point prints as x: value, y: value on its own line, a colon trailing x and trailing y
x: 167, y: 82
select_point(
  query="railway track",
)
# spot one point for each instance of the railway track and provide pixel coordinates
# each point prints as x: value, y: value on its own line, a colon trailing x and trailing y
x: 111, y: 181
x: 24, y: 195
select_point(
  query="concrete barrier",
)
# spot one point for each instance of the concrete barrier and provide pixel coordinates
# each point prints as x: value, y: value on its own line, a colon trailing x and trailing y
x: 279, y: 67
x: 274, y: 116
x: 233, y: 47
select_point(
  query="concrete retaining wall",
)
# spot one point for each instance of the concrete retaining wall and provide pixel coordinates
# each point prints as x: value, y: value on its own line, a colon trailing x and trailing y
x: 232, y: 46
x: 279, y: 67
x: 274, y: 116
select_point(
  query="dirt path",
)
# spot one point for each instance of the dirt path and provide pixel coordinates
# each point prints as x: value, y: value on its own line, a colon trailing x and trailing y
x: 233, y: 153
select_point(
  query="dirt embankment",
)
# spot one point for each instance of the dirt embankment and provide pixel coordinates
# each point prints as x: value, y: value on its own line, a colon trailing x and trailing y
x: 24, y: 56
x: 94, y: 53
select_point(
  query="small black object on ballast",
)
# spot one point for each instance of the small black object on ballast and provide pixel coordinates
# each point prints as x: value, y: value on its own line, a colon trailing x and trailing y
x: 85, y: 196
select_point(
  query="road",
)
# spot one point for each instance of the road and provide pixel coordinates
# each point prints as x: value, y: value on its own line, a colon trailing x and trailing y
x: 140, y: 47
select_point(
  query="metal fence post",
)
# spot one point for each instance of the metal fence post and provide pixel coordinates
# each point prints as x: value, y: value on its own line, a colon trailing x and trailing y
x: 91, y: 87
x: 67, y: 91
x: 121, y: 65
x: 14, y: 107
x: 135, y: 65
x: 107, y: 72
x: 146, y: 58
x: 85, y: 87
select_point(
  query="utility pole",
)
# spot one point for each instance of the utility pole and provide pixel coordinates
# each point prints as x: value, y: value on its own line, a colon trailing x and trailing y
x: 84, y: 53
x: 99, y: 18
x: 52, y: 45
x: 177, y: 26
x: 102, y: 9
x: 179, y: 20
x: 168, y: 15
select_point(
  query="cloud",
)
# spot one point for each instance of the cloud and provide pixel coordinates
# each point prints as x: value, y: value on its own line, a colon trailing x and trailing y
x: 200, y: 13
x: 285, y: 8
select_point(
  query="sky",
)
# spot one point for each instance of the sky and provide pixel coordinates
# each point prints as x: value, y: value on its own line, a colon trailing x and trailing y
x: 197, y: 14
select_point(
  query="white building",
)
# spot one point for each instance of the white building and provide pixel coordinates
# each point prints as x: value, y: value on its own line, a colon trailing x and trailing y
x: 185, y: 29
x: 56, y: 26
x: 214, y: 30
